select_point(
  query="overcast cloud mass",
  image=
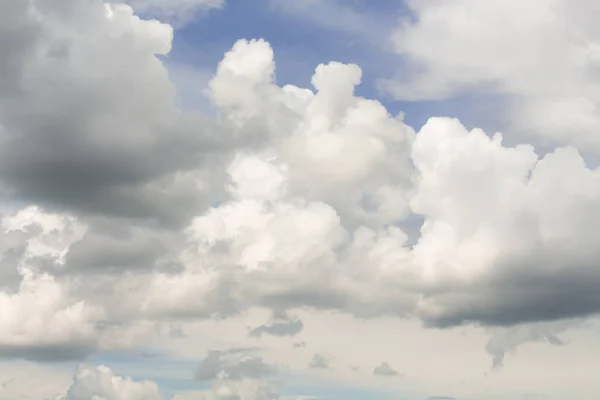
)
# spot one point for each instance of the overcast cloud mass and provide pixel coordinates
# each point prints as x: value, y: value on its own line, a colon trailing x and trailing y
x: 286, y: 214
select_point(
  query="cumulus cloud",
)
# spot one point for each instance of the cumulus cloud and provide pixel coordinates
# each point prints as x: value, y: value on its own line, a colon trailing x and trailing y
x: 523, y: 252
x: 237, y: 374
x: 99, y: 382
x: 539, y: 56
x: 120, y: 211
x: 40, y: 320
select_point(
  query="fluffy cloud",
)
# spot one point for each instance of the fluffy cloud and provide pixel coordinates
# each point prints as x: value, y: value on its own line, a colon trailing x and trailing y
x: 87, y: 121
x: 235, y: 364
x: 90, y: 137
x: 540, y: 56
x: 39, y: 319
x: 509, y: 249
x: 137, y: 213
x: 99, y: 382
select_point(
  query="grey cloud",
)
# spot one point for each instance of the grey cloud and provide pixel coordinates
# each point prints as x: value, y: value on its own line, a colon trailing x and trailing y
x: 228, y: 390
x: 233, y: 365
x: 85, y: 141
x: 176, y: 12
x: 176, y: 331
x: 99, y: 382
x: 441, y: 398
x: 13, y: 246
x: 522, y: 302
x: 522, y: 291
x: 320, y: 361
x: 281, y: 325
x: 241, y: 350
x: 119, y: 247
x: 384, y: 369
x: 73, y: 351
x: 507, y: 340
x: 152, y: 355
x: 92, y: 128
x: 324, y: 290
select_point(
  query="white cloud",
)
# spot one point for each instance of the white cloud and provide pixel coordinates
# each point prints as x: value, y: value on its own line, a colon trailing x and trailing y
x: 541, y: 55
x: 316, y: 230
x: 88, y: 118
x: 320, y: 361
x: 100, y: 383
x: 312, y: 193
x: 238, y: 390
x: 92, y: 382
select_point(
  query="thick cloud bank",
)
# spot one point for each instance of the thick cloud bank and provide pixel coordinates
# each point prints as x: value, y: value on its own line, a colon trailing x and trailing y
x: 120, y: 211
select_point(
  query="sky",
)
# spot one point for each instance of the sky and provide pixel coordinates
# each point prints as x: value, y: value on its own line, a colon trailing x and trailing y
x: 293, y: 200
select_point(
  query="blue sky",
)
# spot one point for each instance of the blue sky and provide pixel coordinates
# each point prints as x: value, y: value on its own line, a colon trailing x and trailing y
x: 346, y: 31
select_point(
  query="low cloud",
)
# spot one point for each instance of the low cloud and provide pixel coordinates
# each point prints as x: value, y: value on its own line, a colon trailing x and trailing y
x: 282, y: 324
x: 100, y: 382
x: 384, y: 369
x: 320, y: 361
x: 237, y: 364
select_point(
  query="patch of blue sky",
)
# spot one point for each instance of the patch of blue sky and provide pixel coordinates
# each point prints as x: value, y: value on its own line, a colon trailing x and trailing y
x: 340, y: 393
x: 303, y: 36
